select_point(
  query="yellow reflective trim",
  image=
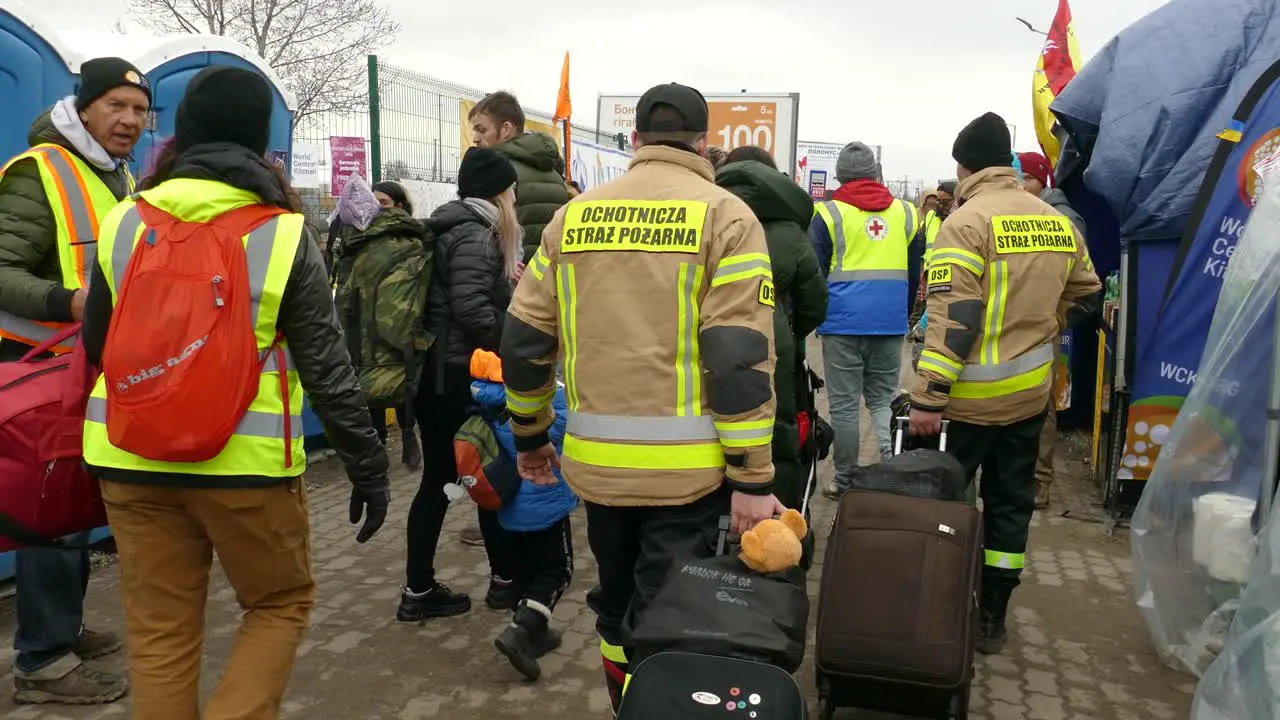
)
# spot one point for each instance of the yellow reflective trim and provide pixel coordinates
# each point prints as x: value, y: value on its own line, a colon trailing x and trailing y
x: 745, y: 433
x: 743, y: 259
x: 1007, y: 561
x: 634, y: 225
x: 688, y: 354
x: 528, y: 404
x: 626, y: 683
x: 539, y: 264
x: 743, y: 424
x: 763, y: 439
x: 955, y: 256
x: 700, y: 456
x: 965, y: 390
x: 997, y: 296
x: 612, y: 653
x: 946, y: 361
x: 733, y: 268
x: 1016, y: 234
x: 567, y: 296
x: 941, y: 364
x: 759, y: 272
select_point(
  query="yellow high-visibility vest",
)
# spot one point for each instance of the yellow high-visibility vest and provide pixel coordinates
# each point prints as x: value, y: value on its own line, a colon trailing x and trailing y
x: 79, y: 199
x: 884, y: 259
x: 260, y: 445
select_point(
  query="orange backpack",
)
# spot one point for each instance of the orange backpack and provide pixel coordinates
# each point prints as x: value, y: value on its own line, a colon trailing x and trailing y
x: 181, y: 361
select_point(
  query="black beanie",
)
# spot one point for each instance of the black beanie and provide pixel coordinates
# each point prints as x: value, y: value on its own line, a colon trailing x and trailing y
x: 100, y: 76
x: 225, y: 104
x: 984, y: 143
x: 484, y: 174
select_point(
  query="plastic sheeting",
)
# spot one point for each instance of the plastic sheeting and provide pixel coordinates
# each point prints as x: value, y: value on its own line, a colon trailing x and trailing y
x: 1193, y: 531
x: 1244, y: 680
x: 1146, y: 110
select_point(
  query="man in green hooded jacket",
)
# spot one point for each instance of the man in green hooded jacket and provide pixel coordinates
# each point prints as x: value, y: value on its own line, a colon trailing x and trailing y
x: 497, y: 122
x: 785, y: 210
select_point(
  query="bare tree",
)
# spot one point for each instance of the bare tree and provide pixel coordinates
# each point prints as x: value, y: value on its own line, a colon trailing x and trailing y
x: 317, y: 47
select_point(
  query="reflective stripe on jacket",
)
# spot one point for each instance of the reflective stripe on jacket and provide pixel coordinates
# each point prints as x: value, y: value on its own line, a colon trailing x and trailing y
x: 258, y: 446
x: 655, y: 291
x: 932, y: 224
x: 1004, y: 273
x: 78, y: 200
x: 867, y: 277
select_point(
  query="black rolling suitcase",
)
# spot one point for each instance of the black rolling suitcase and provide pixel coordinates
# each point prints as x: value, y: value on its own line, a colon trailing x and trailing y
x: 898, y: 603
x: 685, y: 686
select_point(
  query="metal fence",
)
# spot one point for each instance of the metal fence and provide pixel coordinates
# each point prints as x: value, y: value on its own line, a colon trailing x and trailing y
x: 415, y: 128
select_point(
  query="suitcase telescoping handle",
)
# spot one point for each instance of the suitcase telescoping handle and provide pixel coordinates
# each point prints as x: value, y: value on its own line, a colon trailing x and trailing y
x: 904, y: 425
x: 722, y: 542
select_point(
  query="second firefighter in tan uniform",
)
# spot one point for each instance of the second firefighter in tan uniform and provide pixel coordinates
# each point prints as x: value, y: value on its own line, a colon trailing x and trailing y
x: 655, y: 292
x: 1007, y: 275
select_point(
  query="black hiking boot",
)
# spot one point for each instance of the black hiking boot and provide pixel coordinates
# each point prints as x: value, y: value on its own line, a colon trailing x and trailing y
x: 501, y: 595
x: 437, y: 602
x: 526, y: 639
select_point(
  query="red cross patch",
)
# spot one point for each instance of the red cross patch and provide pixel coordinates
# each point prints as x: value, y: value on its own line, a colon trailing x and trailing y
x: 876, y: 228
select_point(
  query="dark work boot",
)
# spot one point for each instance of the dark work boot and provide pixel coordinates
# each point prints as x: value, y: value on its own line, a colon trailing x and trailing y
x: 501, y: 595
x: 528, y: 638
x: 992, y: 611
x: 436, y: 602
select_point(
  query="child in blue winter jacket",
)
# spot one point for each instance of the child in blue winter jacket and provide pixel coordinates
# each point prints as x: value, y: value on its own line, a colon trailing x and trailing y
x: 539, y: 538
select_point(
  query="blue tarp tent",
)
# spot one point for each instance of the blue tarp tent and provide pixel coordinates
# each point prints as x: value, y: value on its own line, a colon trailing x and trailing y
x: 1144, y: 120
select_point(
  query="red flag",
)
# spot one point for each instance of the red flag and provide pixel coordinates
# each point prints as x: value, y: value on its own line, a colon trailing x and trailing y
x: 1058, y: 63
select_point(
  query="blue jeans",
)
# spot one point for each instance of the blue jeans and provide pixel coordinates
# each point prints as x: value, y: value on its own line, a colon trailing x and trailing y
x: 858, y: 366
x: 50, y: 603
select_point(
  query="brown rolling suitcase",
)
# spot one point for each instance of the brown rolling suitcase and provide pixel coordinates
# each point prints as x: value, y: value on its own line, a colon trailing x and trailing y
x: 898, y: 606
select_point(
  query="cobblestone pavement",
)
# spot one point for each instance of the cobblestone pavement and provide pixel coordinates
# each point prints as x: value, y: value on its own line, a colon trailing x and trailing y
x: 1077, y: 650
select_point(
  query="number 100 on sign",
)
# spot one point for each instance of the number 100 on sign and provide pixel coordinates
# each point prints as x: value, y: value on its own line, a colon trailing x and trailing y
x: 735, y: 136
x: 736, y: 124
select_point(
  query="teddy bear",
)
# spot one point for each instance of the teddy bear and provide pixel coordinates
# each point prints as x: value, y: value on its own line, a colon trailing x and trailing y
x: 774, y: 545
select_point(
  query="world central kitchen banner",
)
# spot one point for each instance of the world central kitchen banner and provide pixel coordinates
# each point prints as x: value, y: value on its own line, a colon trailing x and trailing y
x: 1168, y: 364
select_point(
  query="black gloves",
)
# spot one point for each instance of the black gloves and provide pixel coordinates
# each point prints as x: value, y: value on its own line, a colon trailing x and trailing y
x: 371, y: 502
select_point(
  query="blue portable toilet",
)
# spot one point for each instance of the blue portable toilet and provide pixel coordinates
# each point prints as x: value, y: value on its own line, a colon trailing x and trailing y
x: 35, y: 71
x: 172, y: 63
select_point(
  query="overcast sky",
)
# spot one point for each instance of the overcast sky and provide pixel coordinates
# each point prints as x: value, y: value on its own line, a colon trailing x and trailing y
x: 904, y: 75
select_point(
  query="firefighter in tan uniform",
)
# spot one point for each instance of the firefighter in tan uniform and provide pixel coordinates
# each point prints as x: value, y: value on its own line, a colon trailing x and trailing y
x: 1007, y: 275
x: 656, y: 295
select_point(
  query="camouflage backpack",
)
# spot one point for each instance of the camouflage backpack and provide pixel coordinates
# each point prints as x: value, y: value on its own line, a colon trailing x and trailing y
x: 382, y: 276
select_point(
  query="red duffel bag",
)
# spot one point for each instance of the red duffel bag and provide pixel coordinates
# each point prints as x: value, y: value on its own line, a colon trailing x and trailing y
x: 45, y: 492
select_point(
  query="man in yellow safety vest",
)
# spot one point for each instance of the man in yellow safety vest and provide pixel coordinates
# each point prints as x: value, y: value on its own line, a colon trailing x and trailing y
x: 52, y: 198
x: 861, y: 237
x: 1007, y: 274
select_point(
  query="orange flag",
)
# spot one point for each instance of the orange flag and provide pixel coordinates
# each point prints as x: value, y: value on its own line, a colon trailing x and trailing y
x: 564, y: 109
x: 1058, y: 63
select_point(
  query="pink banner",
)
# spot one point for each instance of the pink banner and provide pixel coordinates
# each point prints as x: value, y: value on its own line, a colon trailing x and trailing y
x: 346, y: 158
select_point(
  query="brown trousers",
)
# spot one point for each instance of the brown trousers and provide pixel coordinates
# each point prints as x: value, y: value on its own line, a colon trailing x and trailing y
x: 167, y: 537
x: 1048, y: 441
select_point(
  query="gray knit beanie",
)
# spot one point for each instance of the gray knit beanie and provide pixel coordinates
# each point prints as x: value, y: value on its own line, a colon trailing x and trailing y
x: 857, y: 162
